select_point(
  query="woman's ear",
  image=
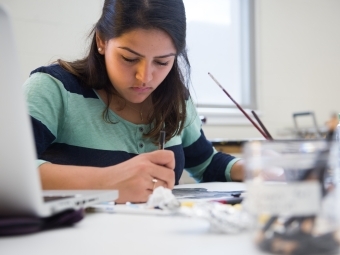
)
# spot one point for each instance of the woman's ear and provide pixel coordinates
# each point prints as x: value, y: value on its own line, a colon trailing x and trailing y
x: 100, y: 43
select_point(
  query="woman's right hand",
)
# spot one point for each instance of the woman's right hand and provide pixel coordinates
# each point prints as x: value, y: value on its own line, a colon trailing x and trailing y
x: 134, y: 178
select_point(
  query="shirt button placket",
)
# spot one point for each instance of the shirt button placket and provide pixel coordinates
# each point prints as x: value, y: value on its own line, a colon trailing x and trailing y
x: 141, y: 143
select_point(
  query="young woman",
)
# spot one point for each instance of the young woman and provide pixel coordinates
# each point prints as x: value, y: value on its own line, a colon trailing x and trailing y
x: 97, y: 120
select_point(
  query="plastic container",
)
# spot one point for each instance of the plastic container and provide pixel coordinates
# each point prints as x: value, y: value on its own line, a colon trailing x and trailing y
x: 291, y: 199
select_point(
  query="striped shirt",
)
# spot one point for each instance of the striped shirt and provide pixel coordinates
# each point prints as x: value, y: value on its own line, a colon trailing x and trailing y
x: 69, y: 129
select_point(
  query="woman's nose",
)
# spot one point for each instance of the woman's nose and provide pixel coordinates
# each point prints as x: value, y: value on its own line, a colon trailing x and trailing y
x: 144, y: 72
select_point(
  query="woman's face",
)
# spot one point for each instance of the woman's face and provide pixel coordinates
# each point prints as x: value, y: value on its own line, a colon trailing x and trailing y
x: 138, y: 61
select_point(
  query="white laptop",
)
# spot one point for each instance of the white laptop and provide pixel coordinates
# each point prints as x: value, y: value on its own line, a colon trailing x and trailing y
x: 20, y: 187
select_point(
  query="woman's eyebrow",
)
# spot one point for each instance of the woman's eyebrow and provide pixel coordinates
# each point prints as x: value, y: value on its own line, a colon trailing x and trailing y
x: 138, y: 54
x: 167, y: 55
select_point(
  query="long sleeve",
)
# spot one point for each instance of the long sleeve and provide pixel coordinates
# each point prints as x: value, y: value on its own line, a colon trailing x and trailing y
x: 46, y: 102
x: 202, y: 161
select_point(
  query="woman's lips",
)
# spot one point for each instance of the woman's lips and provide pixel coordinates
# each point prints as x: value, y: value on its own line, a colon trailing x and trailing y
x: 140, y: 89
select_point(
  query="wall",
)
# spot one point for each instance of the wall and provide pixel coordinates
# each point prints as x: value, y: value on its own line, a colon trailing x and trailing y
x: 46, y: 30
x: 297, y: 48
x: 298, y: 60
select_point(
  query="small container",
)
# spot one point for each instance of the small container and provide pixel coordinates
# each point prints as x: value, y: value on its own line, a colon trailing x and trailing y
x: 291, y: 196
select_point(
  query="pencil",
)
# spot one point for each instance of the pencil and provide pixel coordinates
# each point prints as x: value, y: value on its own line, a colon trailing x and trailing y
x: 161, y: 141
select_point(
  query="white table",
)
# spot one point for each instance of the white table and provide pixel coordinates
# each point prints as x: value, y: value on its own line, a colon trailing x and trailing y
x: 104, y: 233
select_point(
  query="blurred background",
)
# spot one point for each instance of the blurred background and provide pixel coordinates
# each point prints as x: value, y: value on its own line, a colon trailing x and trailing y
x: 295, y: 44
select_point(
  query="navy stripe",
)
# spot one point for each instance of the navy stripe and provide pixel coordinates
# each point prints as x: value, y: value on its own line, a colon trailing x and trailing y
x: 60, y: 153
x: 215, y: 172
x: 179, y: 159
x: 64, y: 154
x: 42, y: 136
x: 198, y: 152
x: 71, y: 82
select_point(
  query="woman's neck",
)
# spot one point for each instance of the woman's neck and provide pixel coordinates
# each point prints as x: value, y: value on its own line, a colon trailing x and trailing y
x: 135, y: 113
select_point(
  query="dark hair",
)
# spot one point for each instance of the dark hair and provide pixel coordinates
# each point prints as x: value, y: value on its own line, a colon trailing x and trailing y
x: 121, y: 16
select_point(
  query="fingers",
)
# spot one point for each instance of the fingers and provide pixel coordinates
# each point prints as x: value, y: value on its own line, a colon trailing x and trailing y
x: 138, y: 190
x: 135, y: 189
x: 162, y: 157
x: 140, y: 197
x: 155, y: 183
x: 165, y: 177
x: 162, y: 167
x: 134, y: 178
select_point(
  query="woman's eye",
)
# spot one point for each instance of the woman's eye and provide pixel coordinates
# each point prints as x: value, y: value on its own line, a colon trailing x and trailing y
x: 162, y: 63
x: 130, y: 60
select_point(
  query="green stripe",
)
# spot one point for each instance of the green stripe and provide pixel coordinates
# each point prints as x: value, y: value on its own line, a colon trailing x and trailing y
x: 78, y: 121
x: 193, y: 126
x: 42, y: 89
x: 228, y: 169
x: 198, y: 171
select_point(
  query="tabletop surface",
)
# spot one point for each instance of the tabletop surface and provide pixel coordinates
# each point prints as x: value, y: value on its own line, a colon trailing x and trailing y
x: 117, y: 233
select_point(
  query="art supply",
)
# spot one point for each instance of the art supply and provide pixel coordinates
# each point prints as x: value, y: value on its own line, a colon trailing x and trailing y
x: 262, y: 126
x: 223, y: 218
x: 161, y: 141
x: 229, y: 200
x: 202, y: 193
x: 241, y: 109
x: 297, y: 215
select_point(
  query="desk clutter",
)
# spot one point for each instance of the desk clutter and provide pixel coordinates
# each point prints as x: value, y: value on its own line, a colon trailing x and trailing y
x: 306, y: 126
x: 291, y: 205
x: 224, y: 213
